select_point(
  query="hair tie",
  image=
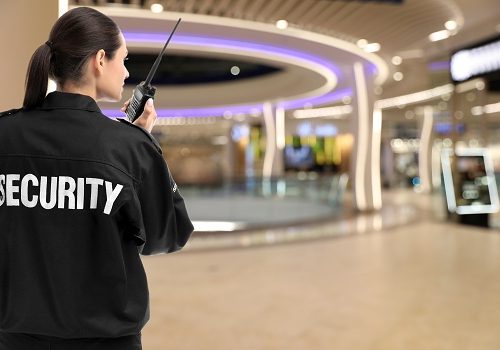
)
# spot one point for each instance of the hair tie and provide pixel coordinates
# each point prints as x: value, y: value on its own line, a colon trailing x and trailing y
x: 49, y: 44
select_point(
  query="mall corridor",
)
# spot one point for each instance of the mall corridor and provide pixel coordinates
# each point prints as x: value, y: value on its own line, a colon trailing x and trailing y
x: 298, y: 177
x: 426, y: 284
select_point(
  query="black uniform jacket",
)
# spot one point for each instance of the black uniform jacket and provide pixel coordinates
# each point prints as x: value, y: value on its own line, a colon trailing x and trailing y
x: 81, y: 195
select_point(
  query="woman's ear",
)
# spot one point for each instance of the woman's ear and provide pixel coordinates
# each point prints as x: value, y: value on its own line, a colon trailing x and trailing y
x: 99, y: 60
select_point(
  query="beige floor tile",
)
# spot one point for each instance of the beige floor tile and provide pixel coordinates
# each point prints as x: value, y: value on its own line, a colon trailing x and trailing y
x: 428, y: 285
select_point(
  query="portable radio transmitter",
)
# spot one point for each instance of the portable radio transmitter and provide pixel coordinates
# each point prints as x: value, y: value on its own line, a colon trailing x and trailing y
x: 144, y: 91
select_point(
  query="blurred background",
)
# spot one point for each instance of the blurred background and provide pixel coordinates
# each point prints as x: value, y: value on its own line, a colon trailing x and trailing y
x: 339, y: 160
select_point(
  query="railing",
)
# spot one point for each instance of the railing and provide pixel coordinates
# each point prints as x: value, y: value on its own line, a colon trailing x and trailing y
x: 322, y: 189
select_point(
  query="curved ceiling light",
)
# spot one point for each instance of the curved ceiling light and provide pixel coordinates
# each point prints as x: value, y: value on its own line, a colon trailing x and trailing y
x: 232, y: 24
x: 323, y: 67
x: 234, y: 36
x: 319, y: 96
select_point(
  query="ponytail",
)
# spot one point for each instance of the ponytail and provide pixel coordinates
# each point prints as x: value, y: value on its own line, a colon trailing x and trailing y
x: 76, y: 36
x: 37, y: 77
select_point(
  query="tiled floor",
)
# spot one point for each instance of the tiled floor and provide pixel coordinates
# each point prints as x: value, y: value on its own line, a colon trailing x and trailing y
x: 423, y: 284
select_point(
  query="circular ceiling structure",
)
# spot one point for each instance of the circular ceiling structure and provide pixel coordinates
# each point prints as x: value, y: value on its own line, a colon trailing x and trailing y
x: 314, y: 69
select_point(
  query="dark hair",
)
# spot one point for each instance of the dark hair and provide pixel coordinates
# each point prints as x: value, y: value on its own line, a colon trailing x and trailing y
x: 76, y: 36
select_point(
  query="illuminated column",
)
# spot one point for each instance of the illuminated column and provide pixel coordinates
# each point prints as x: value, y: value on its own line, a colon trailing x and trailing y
x: 366, y: 126
x: 274, y: 122
x: 425, y: 150
x: 26, y: 25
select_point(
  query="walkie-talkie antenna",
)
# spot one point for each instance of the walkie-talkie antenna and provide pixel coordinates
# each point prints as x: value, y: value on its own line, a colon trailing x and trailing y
x: 160, y: 56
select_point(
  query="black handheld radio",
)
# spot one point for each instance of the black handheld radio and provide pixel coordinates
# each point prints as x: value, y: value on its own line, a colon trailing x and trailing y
x: 144, y: 91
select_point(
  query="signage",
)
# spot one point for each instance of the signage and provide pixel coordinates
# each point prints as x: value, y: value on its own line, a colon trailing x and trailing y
x: 475, y: 61
x: 471, y: 188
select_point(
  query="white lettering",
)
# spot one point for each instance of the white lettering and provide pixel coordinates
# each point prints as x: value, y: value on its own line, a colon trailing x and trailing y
x: 11, y: 189
x: 80, y: 197
x: 24, y: 191
x: 43, y: 192
x: 94, y: 190
x: 2, y: 191
x: 66, y: 192
x: 111, y: 195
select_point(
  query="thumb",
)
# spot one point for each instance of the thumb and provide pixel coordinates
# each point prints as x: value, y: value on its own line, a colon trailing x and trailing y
x: 148, y: 109
x: 149, y: 105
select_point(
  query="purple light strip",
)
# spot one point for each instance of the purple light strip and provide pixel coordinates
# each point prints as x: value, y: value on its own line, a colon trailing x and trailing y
x: 439, y: 66
x: 334, y: 96
x: 236, y: 45
x: 195, y: 112
x: 194, y: 40
x: 238, y: 109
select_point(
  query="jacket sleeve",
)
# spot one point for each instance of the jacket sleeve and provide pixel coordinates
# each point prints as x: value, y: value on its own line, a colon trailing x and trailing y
x: 165, y: 219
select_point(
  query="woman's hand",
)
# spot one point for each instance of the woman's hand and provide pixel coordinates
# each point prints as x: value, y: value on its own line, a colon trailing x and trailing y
x: 147, y: 119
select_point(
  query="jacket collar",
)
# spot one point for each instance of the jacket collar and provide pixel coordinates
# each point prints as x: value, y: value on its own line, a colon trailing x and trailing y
x: 65, y: 100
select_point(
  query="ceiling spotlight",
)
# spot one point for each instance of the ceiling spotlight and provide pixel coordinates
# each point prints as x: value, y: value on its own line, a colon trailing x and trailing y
x: 362, y: 43
x: 235, y: 70
x: 156, y: 8
x: 282, y: 24
x: 451, y: 25
x: 372, y: 47
x: 398, y: 76
x: 409, y: 114
x: 397, y: 60
x: 439, y: 35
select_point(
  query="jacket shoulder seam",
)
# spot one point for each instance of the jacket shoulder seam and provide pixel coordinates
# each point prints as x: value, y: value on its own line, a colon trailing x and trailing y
x: 144, y: 131
x: 10, y: 112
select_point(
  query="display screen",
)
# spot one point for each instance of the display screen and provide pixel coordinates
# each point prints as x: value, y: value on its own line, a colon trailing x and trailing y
x: 470, y: 185
x: 300, y: 158
x: 447, y: 128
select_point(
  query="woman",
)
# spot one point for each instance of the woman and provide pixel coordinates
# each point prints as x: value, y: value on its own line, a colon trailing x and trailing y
x: 81, y: 196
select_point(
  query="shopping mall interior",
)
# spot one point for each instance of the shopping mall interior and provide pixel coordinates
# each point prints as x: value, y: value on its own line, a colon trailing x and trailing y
x: 339, y: 159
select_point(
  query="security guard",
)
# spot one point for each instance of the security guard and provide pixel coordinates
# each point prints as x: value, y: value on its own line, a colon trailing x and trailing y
x: 81, y: 196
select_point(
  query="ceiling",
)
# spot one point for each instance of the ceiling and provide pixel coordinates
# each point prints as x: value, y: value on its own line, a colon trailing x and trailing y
x: 397, y: 26
x: 400, y: 28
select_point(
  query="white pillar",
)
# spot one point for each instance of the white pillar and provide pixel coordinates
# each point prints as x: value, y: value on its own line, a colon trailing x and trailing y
x: 425, y: 150
x: 274, y: 123
x: 366, y: 128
